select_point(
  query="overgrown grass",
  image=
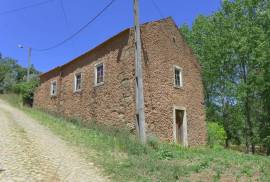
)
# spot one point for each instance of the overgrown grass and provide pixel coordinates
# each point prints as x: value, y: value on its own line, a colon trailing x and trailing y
x: 123, y: 158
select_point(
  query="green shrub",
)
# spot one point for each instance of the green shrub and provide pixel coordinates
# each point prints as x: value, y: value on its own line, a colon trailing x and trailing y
x: 216, y: 134
x: 153, y: 142
x: 164, y: 152
x: 266, y: 142
x: 26, y: 90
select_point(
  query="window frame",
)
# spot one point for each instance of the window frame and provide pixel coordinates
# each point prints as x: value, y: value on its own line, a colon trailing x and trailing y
x: 96, y: 74
x: 180, y: 76
x: 51, y: 91
x: 75, y: 82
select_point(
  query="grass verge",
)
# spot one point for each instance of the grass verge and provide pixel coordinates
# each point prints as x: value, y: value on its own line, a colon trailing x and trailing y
x: 124, y: 159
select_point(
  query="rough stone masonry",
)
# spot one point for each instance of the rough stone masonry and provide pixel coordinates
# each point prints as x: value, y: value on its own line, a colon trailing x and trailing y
x: 173, y: 89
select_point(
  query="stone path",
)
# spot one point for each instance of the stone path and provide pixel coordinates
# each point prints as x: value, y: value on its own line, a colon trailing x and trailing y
x: 30, y: 152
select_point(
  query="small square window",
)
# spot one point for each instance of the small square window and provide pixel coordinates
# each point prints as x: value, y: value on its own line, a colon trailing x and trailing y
x: 99, y: 74
x: 53, y: 88
x: 78, y: 82
x: 178, y: 77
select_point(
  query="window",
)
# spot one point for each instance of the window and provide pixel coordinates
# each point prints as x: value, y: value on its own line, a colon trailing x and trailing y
x: 53, y: 88
x: 78, y: 82
x: 178, y: 77
x: 99, y: 74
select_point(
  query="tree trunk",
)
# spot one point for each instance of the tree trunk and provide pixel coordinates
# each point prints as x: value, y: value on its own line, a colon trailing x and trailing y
x: 225, y: 120
x: 249, y: 123
x: 227, y: 142
x: 253, y: 149
x: 246, y: 137
x: 247, y: 147
x: 228, y: 138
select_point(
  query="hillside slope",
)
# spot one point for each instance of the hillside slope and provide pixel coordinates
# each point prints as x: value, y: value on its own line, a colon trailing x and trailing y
x: 123, y: 158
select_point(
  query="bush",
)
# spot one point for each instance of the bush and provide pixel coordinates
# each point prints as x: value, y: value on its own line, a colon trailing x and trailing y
x: 266, y: 142
x: 165, y: 154
x: 216, y: 134
x: 153, y: 142
x: 26, y: 90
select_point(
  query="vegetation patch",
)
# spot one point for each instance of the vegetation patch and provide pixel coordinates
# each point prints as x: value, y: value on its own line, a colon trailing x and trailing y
x: 232, y: 45
x: 123, y: 158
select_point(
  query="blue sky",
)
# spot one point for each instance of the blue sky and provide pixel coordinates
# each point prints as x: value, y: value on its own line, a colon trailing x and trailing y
x: 45, y: 25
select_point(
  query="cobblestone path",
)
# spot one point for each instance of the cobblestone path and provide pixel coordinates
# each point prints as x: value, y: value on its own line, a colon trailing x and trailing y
x: 30, y: 152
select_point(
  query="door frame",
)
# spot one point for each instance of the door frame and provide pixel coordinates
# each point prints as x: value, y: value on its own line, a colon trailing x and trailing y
x: 184, y: 125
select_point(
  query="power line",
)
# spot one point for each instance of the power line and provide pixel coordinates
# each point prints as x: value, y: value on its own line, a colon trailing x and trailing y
x: 64, y: 11
x: 158, y: 9
x: 25, y: 7
x: 78, y: 31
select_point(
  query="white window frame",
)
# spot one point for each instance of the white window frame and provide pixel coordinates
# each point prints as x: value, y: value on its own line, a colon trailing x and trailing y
x: 75, y: 82
x: 51, y: 92
x: 96, y: 66
x: 180, y: 76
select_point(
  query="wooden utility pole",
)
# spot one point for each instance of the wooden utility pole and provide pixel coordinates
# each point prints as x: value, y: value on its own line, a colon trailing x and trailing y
x: 29, y: 60
x: 29, y: 63
x: 139, y: 78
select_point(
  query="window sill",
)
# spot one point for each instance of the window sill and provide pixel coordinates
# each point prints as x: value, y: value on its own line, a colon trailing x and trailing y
x: 99, y: 84
x: 178, y: 87
x: 77, y: 91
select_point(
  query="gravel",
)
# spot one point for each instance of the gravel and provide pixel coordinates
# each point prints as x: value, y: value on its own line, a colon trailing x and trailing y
x: 31, y: 152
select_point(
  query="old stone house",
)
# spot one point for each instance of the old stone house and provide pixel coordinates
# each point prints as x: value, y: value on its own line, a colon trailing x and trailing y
x: 100, y: 85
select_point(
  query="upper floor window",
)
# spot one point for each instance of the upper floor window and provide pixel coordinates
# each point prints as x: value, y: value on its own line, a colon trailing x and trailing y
x: 78, y: 82
x: 53, y: 88
x: 99, y: 74
x: 178, y: 80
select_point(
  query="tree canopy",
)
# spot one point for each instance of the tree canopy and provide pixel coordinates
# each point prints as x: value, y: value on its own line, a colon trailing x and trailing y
x: 13, y: 79
x: 233, y: 46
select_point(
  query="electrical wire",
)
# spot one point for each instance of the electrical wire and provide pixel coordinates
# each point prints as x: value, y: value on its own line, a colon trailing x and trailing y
x: 78, y: 31
x: 25, y: 7
x: 163, y: 29
x: 64, y: 11
x: 157, y: 8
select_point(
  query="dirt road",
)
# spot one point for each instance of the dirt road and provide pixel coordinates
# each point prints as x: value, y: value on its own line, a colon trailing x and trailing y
x: 30, y: 152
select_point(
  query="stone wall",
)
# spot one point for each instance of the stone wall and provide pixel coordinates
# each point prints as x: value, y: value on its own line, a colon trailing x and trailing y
x: 113, y: 103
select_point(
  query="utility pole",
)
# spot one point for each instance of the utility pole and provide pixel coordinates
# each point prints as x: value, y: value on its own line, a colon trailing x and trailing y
x: 139, y: 78
x: 29, y: 61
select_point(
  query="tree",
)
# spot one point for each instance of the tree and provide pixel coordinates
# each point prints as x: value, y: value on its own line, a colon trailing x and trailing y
x: 7, y: 74
x: 13, y: 79
x: 233, y: 48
